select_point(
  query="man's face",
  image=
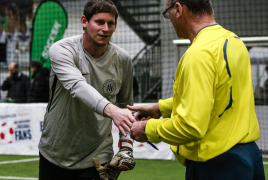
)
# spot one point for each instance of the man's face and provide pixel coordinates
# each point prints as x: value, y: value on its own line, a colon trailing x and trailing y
x: 13, y: 70
x: 100, y: 28
x: 33, y: 69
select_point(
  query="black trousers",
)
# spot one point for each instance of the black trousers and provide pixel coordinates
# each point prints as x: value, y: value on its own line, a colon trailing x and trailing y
x: 243, y: 161
x: 49, y: 171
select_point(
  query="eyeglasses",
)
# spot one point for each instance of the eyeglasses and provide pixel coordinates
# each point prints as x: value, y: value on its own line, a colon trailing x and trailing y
x: 166, y: 12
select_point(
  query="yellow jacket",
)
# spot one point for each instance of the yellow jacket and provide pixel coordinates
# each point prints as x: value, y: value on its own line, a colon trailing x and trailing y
x: 212, y: 108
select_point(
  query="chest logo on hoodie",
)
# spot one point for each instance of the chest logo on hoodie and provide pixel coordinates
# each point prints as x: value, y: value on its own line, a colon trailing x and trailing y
x: 109, y: 87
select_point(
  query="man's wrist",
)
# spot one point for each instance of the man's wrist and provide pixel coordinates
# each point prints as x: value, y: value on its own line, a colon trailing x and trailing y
x: 157, y: 109
x: 107, y: 111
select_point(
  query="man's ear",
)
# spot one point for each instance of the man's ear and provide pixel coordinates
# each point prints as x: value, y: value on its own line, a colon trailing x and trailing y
x: 84, y: 21
x: 178, y: 8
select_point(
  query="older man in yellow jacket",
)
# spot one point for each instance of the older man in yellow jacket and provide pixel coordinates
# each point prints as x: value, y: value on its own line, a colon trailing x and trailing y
x: 210, y: 122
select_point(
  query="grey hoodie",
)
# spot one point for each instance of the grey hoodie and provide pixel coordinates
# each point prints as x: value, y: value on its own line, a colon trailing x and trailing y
x: 74, y: 129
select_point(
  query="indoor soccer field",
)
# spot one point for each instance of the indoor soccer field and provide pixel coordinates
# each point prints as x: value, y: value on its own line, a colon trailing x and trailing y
x: 26, y: 167
x: 155, y: 51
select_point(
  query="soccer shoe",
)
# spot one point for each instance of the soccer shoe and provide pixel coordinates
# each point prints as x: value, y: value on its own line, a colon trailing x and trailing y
x: 124, y: 160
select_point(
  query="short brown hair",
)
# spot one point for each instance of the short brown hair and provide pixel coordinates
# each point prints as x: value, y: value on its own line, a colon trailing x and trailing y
x: 100, y: 6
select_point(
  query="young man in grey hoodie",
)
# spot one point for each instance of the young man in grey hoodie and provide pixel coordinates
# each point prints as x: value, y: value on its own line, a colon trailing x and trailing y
x: 89, y: 75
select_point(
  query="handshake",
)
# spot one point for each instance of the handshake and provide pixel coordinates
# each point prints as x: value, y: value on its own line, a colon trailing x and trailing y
x: 122, y: 161
x: 125, y: 121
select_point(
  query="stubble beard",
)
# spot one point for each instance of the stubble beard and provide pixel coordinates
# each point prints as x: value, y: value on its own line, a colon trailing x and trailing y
x: 95, y: 41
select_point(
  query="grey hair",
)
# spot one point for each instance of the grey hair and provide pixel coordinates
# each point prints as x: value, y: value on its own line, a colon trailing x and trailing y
x: 196, y: 6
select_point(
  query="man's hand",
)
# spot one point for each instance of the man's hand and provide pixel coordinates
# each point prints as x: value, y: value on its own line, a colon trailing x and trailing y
x: 137, y: 131
x: 124, y: 160
x: 105, y: 172
x: 122, y: 118
x: 148, y: 110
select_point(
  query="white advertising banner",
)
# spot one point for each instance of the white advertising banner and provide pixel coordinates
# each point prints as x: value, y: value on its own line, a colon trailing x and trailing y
x: 21, y: 126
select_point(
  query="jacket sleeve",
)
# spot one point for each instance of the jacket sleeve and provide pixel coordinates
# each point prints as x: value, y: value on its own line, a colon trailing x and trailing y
x: 62, y: 56
x: 195, y: 94
x: 165, y: 107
